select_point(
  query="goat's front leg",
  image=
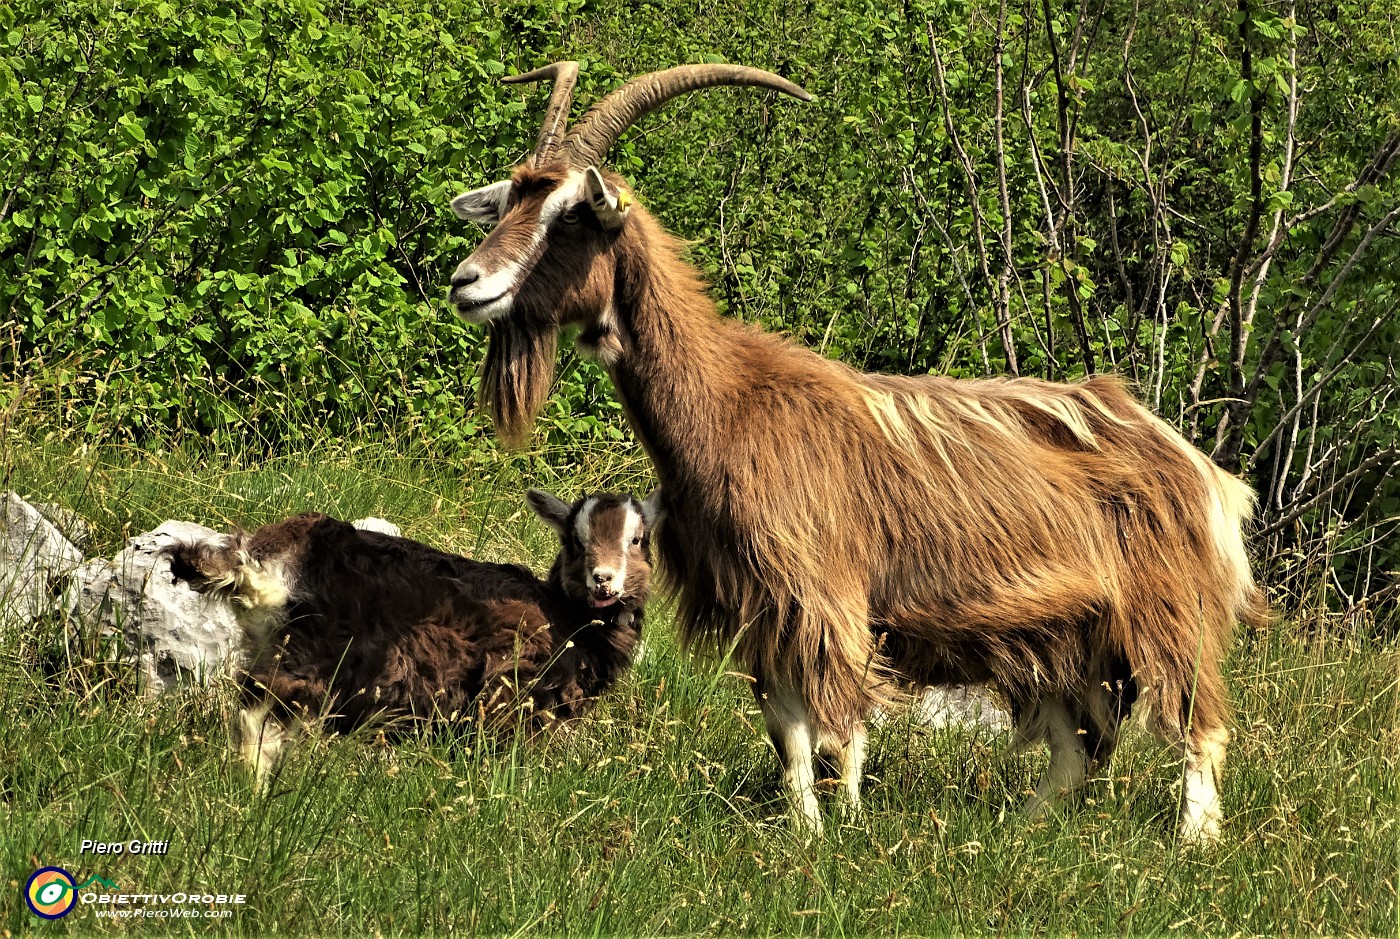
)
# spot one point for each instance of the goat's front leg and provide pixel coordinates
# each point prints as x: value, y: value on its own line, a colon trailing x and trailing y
x: 273, y: 712
x: 261, y: 736
x: 785, y: 716
x: 847, y: 757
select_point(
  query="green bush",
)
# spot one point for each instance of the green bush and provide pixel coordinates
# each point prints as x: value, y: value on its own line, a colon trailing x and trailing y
x: 230, y: 215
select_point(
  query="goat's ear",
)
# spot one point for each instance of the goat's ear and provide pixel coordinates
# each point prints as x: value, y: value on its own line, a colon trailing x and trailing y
x: 551, y: 509
x: 203, y: 564
x: 608, y: 204
x: 652, y: 509
x: 485, y: 206
x: 185, y: 562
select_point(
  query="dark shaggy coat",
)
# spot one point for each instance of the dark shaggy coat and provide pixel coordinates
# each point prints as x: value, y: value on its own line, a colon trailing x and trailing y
x: 346, y: 626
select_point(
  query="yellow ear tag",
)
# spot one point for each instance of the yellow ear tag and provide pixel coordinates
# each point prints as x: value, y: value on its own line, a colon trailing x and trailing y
x: 623, y: 200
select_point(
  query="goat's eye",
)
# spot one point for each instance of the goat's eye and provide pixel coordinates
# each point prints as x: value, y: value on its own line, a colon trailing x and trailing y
x: 569, y: 218
x: 637, y: 540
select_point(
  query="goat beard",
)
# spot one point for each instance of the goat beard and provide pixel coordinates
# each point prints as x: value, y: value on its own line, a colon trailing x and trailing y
x: 518, y: 377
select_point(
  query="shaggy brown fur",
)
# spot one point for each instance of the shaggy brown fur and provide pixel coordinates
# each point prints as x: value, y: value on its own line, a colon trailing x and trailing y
x: 847, y: 532
x: 348, y: 626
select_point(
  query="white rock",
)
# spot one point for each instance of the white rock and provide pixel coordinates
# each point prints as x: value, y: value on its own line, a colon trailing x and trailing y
x: 379, y: 525
x: 953, y: 706
x: 36, y: 564
x: 175, y: 635
x: 959, y: 705
x: 69, y: 523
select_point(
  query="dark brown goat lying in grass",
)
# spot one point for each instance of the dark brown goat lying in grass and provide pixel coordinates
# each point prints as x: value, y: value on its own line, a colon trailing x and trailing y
x: 345, y: 626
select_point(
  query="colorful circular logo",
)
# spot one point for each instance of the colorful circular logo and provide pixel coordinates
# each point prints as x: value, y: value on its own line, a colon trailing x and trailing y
x: 51, y: 892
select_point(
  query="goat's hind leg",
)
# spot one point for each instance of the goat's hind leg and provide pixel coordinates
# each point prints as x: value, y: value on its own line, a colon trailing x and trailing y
x: 1052, y: 721
x: 789, y: 726
x: 1203, y: 753
x: 1196, y: 728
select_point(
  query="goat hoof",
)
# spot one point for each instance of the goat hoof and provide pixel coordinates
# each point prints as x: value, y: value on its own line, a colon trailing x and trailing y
x: 1200, y: 832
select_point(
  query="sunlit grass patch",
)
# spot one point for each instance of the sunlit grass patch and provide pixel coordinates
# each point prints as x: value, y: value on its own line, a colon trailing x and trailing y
x: 661, y: 813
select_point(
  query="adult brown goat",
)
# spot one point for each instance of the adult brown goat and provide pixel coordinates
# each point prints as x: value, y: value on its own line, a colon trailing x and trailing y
x: 847, y: 532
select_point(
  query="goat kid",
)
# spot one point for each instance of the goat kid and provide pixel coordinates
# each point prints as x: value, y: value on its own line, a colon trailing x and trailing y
x: 345, y: 627
x: 845, y: 533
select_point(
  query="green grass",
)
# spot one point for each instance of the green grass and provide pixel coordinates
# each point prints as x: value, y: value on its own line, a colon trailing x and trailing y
x: 662, y: 814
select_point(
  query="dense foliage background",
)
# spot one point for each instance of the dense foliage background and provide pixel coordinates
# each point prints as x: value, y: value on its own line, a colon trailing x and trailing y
x: 228, y: 219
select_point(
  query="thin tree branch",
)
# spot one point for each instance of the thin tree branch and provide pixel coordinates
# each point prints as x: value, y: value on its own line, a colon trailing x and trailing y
x: 1300, y: 509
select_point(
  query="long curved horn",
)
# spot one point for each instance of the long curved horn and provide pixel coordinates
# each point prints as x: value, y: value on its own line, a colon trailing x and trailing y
x: 556, y: 116
x: 593, y: 135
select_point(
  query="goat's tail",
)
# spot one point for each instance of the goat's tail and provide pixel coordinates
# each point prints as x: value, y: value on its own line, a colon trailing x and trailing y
x: 1229, y: 510
x: 1232, y: 504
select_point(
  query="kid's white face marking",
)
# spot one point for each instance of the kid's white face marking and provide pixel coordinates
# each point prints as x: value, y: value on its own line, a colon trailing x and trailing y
x: 631, y: 528
x: 608, y: 564
x: 581, y: 525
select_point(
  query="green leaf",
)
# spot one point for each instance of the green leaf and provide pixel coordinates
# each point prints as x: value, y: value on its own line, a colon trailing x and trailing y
x: 131, y: 129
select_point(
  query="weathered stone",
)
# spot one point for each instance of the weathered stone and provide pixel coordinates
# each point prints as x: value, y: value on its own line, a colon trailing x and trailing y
x: 36, y: 564
x: 72, y: 525
x: 379, y: 525
x: 175, y: 635
x: 959, y: 706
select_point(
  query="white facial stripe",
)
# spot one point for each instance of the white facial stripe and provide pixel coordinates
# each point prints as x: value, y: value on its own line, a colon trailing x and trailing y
x: 581, y: 527
x: 559, y: 200
x: 554, y: 206
x: 631, y: 527
x: 494, y: 291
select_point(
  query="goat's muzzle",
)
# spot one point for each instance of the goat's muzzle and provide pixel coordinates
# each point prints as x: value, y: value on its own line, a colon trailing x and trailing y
x: 601, y: 597
x: 476, y: 299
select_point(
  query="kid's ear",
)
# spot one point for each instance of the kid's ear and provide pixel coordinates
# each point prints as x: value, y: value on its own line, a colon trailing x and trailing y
x: 205, y: 565
x: 485, y: 206
x: 651, y: 508
x: 551, y: 509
